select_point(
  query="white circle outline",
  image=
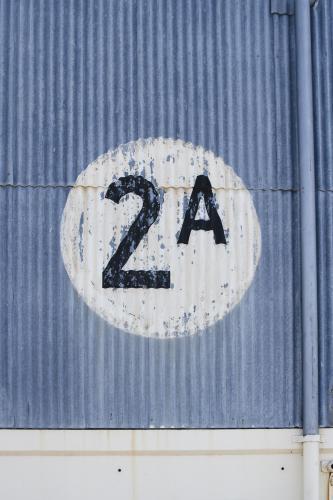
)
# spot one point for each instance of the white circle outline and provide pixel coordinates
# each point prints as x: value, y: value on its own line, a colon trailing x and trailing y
x: 228, y: 182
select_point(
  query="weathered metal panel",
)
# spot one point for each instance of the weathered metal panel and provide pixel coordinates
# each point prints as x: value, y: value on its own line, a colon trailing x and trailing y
x: 63, y: 366
x: 140, y: 463
x: 80, y: 78
x: 322, y: 26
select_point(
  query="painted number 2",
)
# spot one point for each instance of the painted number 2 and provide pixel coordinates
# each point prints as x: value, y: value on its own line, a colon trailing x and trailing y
x: 113, y: 275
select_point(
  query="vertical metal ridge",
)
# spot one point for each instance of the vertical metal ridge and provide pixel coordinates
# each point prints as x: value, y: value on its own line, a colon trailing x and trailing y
x: 325, y: 259
x: 322, y: 36
x: 323, y: 92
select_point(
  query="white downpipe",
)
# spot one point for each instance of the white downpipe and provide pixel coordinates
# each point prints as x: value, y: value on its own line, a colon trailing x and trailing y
x: 311, y: 467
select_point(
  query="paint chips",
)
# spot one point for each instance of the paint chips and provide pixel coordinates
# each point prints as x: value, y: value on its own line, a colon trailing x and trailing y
x: 124, y: 217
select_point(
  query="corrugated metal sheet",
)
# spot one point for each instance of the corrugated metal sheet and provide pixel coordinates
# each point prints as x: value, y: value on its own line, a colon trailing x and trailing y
x: 322, y: 26
x: 63, y: 366
x: 80, y: 78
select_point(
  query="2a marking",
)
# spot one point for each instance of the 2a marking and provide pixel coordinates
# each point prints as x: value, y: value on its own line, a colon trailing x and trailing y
x: 113, y: 274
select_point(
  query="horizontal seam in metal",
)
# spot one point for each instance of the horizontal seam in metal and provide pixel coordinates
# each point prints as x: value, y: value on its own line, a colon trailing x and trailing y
x: 144, y: 453
x: 45, y: 186
x: 55, y: 186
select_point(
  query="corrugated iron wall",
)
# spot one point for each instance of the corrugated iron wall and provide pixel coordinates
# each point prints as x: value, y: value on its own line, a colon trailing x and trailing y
x: 322, y: 27
x: 79, y: 78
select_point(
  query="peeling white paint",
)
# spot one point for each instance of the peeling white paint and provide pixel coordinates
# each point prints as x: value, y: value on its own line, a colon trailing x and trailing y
x: 207, y: 280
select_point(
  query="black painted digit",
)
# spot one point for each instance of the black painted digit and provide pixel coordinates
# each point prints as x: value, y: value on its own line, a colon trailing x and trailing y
x: 113, y: 275
x: 202, y: 189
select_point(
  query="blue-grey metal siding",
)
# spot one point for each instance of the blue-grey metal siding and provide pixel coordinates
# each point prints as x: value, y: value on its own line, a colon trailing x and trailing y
x: 322, y: 27
x: 77, y: 79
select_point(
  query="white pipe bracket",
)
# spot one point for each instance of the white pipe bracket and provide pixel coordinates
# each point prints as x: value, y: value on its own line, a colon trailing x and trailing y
x: 315, y: 438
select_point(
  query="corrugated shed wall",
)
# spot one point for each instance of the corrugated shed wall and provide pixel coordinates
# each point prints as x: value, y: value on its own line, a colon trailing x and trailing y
x: 322, y: 26
x: 79, y: 78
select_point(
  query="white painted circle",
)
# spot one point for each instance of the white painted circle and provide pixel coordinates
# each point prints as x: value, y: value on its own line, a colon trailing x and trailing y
x: 207, y: 280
